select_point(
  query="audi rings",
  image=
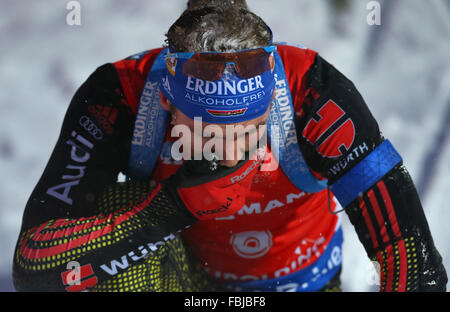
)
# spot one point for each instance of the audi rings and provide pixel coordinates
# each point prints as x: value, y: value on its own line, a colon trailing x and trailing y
x: 91, y: 127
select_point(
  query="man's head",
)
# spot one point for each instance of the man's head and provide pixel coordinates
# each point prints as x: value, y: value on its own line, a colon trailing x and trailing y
x: 191, y: 85
x: 221, y: 28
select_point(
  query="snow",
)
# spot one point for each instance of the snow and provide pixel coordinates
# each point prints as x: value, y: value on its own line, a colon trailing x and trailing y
x: 400, y: 67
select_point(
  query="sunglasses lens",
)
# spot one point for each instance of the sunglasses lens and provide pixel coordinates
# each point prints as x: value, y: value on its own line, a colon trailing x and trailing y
x: 252, y: 65
x: 210, y: 66
x: 204, y: 67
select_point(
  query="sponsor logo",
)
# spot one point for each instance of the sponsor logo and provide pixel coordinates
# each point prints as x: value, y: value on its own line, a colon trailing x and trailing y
x: 115, y: 266
x: 145, y: 119
x: 222, y: 208
x: 251, y: 244
x: 283, y: 121
x: 259, y: 208
x: 78, y: 278
x: 228, y: 101
x: 354, y: 154
x: 331, y: 131
x: 90, y: 127
x: 246, y: 172
x: 224, y: 92
x: 224, y: 87
x: 79, y: 154
x: 171, y: 64
x: 334, y: 261
x: 227, y: 113
x: 306, y: 252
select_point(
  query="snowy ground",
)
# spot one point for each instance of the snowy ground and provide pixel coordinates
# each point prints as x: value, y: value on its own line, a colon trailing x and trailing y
x: 401, y: 68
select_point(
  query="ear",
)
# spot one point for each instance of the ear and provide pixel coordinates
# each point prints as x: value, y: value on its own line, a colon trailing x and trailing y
x: 164, y: 102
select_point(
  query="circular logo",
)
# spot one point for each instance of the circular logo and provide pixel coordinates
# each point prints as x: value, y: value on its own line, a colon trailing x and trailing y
x: 90, y: 127
x: 252, y: 244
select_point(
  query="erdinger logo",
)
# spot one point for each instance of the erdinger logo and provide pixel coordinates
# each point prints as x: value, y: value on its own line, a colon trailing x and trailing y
x: 330, y: 130
x: 227, y: 113
x: 224, y: 87
x: 252, y: 244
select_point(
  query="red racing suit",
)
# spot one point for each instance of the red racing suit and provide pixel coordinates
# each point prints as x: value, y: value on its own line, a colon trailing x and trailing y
x: 280, y: 229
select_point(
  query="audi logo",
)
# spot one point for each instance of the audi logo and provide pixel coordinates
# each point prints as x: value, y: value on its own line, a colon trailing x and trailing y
x: 91, y: 127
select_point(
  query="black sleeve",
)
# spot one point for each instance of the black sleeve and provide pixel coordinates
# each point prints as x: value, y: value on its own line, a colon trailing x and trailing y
x: 77, y: 212
x: 91, y: 150
x: 336, y: 132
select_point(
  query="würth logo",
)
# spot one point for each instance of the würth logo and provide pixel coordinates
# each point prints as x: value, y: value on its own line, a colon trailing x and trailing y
x: 331, y: 131
x: 79, y: 277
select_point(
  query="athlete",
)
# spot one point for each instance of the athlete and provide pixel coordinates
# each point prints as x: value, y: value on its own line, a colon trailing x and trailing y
x: 263, y: 218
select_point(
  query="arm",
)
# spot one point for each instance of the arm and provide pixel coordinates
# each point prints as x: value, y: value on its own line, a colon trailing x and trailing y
x: 79, y: 214
x: 72, y: 215
x: 338, y: 132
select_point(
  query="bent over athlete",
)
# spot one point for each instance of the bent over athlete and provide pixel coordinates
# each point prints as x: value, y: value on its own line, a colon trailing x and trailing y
x: 238, y: 222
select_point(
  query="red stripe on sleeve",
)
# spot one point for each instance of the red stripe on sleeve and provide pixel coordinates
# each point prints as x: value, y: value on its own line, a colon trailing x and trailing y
x: 30, y: 253
x: 403, y: 266
x: 369, y: 224
x: 390, y: 268
x: 390, y: 208
x: 396, y: 230
x: 378, y: 215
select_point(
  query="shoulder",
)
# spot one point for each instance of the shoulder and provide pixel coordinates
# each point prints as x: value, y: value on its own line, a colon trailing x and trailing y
x: 132, y: 72
x: 297, y: 61
x: 295, y: 54
x: 139, y: 63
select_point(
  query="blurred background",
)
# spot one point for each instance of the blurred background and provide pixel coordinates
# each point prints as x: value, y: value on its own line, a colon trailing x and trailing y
x: 401, y: 67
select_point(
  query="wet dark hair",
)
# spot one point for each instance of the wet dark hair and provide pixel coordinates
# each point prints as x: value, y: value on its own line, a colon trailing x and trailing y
x: 223, y: 27
x: 202, y: 3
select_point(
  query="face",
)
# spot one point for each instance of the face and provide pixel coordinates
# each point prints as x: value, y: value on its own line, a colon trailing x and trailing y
x: 231, y: 141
